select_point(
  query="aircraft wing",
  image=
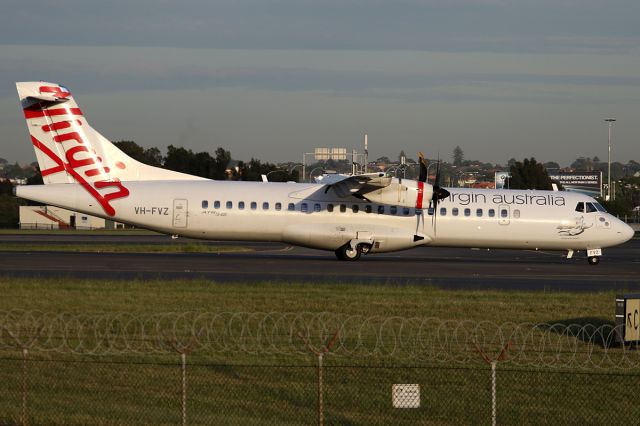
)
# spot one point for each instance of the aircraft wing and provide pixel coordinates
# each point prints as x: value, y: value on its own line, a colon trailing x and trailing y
x: 356, y: 185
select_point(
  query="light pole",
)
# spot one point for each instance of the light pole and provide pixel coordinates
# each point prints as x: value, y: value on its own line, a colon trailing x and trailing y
x: 610, y: 121
x: 313, y: 170
x: 428, y: 167
x: 293, y: 168
x: 273, y: 171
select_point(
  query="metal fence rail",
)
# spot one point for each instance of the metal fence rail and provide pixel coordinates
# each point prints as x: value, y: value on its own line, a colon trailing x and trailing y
x: 309, y: 368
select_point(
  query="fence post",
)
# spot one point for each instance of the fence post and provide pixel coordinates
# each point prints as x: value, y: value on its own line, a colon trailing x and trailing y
x: 320, y: 391
x: 320, y: 354
x: 183, y: 355
x: 25, y: 389
x: 183, y: 350
x: 493, y: 392
x: 494, y: 363
x: 25, y: 349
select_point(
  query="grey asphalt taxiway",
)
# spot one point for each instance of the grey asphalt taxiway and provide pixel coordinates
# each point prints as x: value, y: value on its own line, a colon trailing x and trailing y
x: 451, y: 268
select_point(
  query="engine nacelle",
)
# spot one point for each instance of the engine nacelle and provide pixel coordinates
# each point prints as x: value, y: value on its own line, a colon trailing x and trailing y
x: 405, y: 193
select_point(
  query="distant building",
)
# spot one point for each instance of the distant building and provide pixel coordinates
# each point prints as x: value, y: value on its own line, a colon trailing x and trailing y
x: 50, y: 217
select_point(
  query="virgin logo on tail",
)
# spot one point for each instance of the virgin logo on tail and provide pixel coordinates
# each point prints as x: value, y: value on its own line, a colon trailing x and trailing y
x: 81, y: 161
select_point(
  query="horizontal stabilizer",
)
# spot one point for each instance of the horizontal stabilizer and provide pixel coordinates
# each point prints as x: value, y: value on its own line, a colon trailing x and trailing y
x: 39, y: 91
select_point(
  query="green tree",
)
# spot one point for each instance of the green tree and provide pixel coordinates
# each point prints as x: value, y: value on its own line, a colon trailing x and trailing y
x: 9, y: 206
x: 223, y: 157
x: 583, y: 164
x: 36, y: 178
x: 458, y: 156
x: 255, y: 169
x: 151, y: 156
x: 529, y: 174
x: 200, y: 164
x: 179, y: 159
x: 14, y: 171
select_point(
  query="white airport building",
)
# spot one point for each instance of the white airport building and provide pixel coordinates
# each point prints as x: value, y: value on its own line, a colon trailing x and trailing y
x: 50, y: 217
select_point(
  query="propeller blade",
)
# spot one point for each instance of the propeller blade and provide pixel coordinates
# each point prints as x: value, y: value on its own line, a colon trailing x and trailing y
x: 434, y: 223
x: 439, y: 193
x: 423, y: 168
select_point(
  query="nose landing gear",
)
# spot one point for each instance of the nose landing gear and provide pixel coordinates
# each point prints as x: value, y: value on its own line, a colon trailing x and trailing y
x: 593, y: 256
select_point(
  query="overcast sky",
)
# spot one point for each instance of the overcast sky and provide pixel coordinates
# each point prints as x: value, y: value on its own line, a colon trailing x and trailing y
x: 275, y: 78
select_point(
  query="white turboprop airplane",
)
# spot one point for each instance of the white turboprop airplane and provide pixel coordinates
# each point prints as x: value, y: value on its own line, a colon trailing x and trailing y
x: 350, y: 215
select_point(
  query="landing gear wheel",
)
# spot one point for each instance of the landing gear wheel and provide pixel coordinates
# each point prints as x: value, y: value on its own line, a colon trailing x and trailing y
x: 347, y: 253
x: 593, y: 260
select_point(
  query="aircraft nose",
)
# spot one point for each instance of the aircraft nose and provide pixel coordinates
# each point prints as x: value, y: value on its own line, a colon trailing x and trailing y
x: 626, y: 232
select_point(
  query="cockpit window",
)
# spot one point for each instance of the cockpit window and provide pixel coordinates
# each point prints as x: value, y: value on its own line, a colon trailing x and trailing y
x: 599, y: 207
x: 591, y: 208
x: 580, y: 207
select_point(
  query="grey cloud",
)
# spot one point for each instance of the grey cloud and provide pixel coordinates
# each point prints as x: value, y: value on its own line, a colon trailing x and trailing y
x: 463, y: 25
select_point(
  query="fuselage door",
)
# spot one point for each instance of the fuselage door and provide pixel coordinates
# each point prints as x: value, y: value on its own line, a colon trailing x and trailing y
x: 180, y: 213
x: 504, y: 214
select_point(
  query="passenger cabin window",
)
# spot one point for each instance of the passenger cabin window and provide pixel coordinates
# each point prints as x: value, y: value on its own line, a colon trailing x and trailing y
x: 265, y: 206
x: 205, y: 204
x: 367, y: 208
x: 393, y: 209
x: 380, y: 209
x: 355, y: 208
x: 329, y: 208
x: 443, y: 211
x: 291, y: 207
x: 343, y: 208
x: 430, y: 211
x: 254, y: 205
x: 241, y: 205
x: 467, y: 212
x: 516, y: 214
x: 278, y: 206
x: 491, y: 213
x: 580, y: 207
x: 504, y: 213
x: 454, y: 211
x: 406, y: 211
x: 216, y: 204
x: 316, y: 207
x: 229, y: 204
x: 304, y: 207
x: 479, y: 212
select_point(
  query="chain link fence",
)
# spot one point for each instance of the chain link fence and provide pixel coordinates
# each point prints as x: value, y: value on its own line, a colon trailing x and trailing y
x: 310, y: 368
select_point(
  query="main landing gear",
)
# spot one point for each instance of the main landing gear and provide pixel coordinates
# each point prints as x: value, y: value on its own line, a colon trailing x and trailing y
x: 351, y: 254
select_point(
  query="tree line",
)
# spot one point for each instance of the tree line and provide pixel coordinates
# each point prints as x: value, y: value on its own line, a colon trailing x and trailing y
x: 219, y: 166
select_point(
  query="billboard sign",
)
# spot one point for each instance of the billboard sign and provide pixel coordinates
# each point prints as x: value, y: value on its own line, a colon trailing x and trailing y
x: 588, y: 183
